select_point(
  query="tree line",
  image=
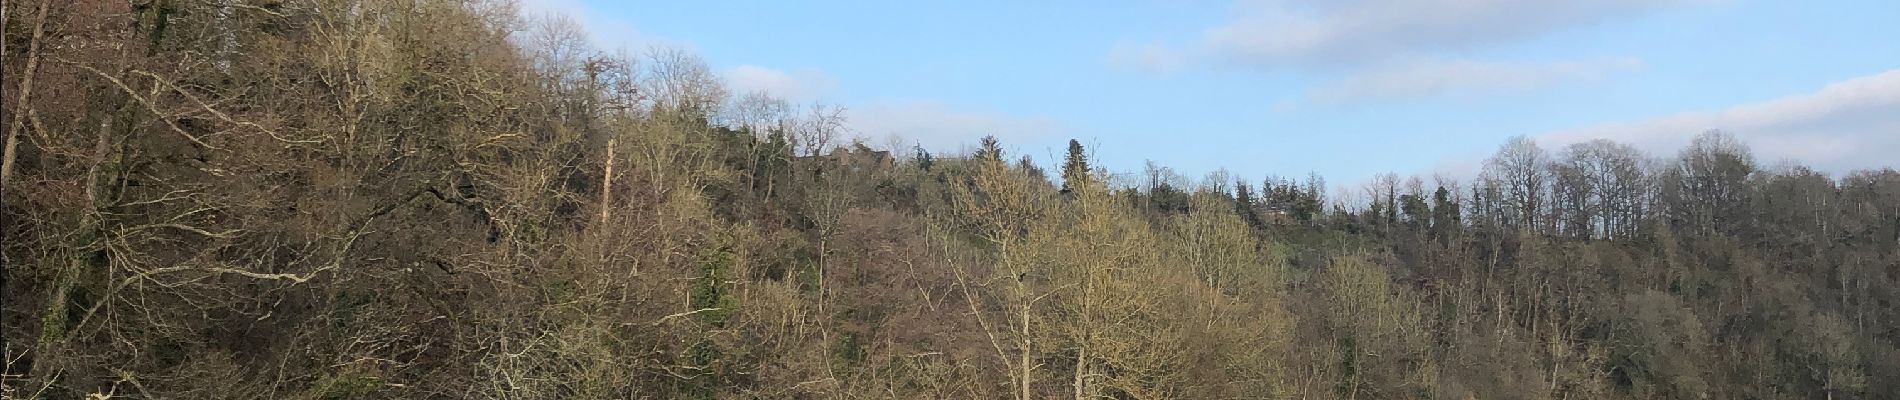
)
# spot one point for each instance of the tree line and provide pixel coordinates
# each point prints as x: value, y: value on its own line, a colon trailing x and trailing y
x: 446, y: 199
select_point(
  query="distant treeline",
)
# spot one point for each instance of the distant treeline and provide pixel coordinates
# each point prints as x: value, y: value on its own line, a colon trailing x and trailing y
x: 444, y: 199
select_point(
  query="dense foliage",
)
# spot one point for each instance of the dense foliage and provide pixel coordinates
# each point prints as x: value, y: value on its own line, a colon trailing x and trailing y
x: 441, y: 199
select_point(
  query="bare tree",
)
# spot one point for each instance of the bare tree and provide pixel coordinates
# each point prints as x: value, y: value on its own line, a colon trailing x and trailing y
x: 819, y: 129
x: 1709, y: 182
x: 1604, y: 187
x: 1521, y: 172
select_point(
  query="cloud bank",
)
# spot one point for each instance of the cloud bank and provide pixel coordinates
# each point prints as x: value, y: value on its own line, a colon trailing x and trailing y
x: 1396, y: 49
x: 1280, y: 32
x: 940, y: 127
x: 610, y: 34
x: 1439, y: 77
x: 1152, y: 58
x: 800, y: 86
x: 1846, y: 125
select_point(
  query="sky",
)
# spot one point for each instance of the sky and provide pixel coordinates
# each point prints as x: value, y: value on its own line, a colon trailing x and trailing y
x: 1344, y: 88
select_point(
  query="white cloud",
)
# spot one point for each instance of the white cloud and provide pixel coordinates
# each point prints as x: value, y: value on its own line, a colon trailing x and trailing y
x: 798, y: 86
x: 939, y: 127
x: 1150, y: 58
x: 1392, y: 49
x: 1421, y: 78
x: 1846, y: 125
x: 613, y: 34
x: 603, y: 31
x: 1283, y: 32
x: 934, y: 125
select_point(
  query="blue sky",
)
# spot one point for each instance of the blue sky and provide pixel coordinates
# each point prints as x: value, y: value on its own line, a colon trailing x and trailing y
x: 1346, y: 88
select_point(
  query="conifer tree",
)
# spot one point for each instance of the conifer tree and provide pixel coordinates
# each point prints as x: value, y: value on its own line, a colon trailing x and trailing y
x: 1075, y: 167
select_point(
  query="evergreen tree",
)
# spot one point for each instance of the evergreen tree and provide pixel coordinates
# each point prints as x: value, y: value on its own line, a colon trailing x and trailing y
x: 1075, y: 168
x: 1445, y: 216
x: 924, y: 161
x: 989, y: 150
x: 1244, y: 204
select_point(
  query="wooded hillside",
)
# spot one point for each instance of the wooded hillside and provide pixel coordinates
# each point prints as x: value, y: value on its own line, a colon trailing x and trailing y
x: 334, y: 199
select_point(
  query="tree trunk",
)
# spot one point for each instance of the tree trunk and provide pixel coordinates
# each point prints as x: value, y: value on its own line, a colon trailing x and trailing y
x: 20, y: 106
x: 607, y: 184
x: 54, y: 319
x: 1026, y: 346
x: 1081, y: 371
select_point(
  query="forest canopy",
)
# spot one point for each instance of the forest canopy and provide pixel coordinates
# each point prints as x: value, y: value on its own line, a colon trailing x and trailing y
x: 445, y: 199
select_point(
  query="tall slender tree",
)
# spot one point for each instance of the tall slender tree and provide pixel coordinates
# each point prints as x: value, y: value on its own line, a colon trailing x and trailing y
x: 1075, y: 167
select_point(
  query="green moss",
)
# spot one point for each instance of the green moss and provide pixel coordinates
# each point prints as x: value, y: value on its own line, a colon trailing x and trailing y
x: 709, y: 289
x: 346, y: 386
x: 847, y: 349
